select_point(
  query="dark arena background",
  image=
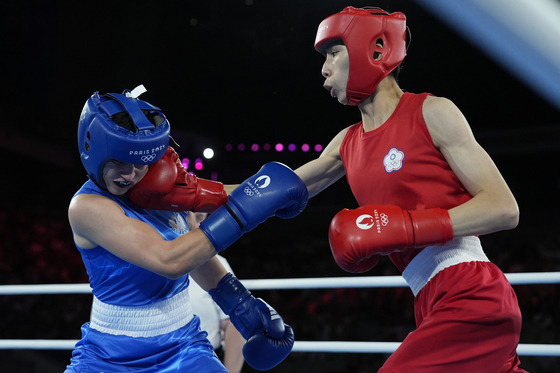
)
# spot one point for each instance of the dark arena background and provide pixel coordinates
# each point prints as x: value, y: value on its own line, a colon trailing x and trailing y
x: 241, y: 77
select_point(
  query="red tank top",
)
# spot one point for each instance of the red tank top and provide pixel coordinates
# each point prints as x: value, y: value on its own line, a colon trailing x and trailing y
x: 398, y: 164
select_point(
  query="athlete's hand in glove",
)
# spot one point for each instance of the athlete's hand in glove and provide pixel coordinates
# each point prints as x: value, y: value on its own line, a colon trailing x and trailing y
x: 273, y: 191
x: 168, y: 186
x: 357, y: 237
x: 269, y: 340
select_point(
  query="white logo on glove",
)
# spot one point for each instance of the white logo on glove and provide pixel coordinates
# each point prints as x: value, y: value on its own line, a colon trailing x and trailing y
x: 365, y: 221
x: 384, y: 219
x: 262, y: 181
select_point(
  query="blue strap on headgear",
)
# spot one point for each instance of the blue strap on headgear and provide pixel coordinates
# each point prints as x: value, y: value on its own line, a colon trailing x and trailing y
x: 101, y: 139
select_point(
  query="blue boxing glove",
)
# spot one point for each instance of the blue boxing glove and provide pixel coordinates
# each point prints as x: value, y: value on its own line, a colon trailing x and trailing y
x: 273, y: 191
x: 269, y: 340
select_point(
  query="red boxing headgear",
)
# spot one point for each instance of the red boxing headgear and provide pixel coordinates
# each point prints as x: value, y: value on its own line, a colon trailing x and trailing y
x: 376, y: 43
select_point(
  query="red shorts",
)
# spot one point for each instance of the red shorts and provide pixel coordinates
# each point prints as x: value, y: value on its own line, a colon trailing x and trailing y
x: 467, y: 319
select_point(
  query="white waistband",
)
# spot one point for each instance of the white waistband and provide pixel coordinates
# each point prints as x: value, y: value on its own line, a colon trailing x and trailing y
x: 142, y: 321
x: 433, y: 259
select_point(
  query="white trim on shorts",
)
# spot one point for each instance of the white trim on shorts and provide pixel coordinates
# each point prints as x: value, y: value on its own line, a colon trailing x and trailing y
x: 433, y: 259
x: 142, y: 321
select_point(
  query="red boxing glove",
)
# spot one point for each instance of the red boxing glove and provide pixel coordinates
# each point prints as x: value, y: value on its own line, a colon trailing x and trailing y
x: 357, y: 237
x: 168, y: 186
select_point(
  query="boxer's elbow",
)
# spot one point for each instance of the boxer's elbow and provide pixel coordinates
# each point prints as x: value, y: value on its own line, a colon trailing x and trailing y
x: 509, y: 216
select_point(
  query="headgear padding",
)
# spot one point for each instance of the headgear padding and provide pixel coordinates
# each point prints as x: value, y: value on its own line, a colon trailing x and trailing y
x: 376, y: 43
x: 101, y: 139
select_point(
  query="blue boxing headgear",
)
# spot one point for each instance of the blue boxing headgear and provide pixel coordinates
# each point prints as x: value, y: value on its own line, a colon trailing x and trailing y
x: 100, y: 139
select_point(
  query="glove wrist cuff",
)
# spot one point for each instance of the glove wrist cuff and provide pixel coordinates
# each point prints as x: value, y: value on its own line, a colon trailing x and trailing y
x: 209, y: 195
x: 432, y: 226
x: 229, y: 293
x: 221, y: 228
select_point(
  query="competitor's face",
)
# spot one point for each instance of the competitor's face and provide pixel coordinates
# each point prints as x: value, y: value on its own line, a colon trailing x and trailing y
x: 119, y: 177
x: 335, y: 70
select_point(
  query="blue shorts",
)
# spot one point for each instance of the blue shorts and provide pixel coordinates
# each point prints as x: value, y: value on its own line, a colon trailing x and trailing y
x: 186, y: 349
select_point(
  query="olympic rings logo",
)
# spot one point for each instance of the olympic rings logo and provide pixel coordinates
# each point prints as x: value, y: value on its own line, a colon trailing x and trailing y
x: 393, y: 160
x: 248, y: 191
x: 148, y: 158
x: 384, y: 219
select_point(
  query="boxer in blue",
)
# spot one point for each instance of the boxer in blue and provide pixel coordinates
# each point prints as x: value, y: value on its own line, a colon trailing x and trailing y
x: 140, y: 250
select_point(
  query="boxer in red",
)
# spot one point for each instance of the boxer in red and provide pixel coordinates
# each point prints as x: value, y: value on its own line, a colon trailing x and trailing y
x: 426, y: 191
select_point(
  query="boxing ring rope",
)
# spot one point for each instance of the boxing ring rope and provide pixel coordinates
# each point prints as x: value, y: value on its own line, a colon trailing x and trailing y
x: 530, y: 278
